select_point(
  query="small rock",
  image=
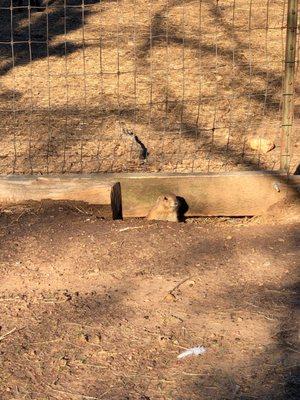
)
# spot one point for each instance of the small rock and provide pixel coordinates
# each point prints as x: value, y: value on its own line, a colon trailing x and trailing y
x: 261, y: 145
x: 170, y: 297
x: 90, y: 338
x: 94, y: 271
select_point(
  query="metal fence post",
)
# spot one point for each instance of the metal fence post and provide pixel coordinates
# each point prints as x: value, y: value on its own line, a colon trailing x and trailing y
x: 289, y: 86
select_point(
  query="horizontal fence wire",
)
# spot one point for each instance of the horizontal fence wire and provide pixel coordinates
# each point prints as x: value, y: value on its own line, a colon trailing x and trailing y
x: 168, y: 85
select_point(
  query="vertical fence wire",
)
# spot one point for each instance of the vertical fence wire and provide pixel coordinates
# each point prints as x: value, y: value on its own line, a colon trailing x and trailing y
x: 101, y: 95
x: 13, y: 126
x: 30, y: 135
x: 289, y: 86
x: 66, y: 83
x: 198, y: 84
x: 49, y: 133
x: 167, y: 59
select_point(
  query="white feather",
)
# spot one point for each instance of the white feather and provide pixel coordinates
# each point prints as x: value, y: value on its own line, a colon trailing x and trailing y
x: 194, y: 351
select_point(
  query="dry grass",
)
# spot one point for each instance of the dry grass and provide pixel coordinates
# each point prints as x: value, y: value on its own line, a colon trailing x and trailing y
x: 193, y: 91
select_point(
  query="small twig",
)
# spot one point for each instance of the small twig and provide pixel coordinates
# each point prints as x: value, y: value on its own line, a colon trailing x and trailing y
x: 11, y: 299
x: 292, y: 349
x: 82, y: 396
x: 22, y: 213
x: 47, y: 341
x: 178, y: 285
x: 283, y: 291
x: 80, y: 210
x: 9, y: 332
x: 175, y: 316
x: 268, y: 318
x: 54, y: 302
x: 251, y: 304
x: 284, y: 330
x: 287, y: 366
x: 180, y: 347
x: 17, y: 219
x: 129, y: 228
x: 191, y: 374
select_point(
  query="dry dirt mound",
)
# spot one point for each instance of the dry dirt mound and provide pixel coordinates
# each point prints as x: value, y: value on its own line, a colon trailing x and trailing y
x: 285, y: 211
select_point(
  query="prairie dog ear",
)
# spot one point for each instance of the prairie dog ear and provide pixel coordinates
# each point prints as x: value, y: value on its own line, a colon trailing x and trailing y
x: 165, y: 198
x: 159, y: 199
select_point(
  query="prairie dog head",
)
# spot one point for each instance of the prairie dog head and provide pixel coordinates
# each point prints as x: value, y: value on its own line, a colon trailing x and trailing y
x: 168, y: 202
x: 165, y: 209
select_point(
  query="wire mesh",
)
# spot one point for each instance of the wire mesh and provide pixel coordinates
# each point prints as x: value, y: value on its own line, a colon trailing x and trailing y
x: 167, y: 85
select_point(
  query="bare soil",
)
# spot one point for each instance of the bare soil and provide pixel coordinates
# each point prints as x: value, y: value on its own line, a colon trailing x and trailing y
x: 99, y: 309
x: 194, y: 80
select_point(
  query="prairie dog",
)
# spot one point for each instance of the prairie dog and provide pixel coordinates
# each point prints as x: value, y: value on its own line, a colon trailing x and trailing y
x: 165, y: 209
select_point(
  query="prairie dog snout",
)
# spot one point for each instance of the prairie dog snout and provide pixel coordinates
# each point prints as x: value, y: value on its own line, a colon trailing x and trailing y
x: 165, y: 209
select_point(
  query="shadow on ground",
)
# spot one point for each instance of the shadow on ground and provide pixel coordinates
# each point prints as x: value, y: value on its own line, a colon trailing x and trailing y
x: 89, y: 300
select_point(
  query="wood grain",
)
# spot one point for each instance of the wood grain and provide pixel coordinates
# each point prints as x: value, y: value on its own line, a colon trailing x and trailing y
x: 18, y: 189
x: 224, y: 194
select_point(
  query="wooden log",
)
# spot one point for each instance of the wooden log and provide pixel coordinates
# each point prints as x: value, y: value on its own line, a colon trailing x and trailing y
x: 18, y: 189
x: 224, y: 194
x: 116, y: 201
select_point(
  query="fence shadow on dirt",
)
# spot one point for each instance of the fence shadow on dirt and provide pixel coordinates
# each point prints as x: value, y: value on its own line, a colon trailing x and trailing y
x: 32, y: 34
x: 263, y: 95
x: 62, y: 327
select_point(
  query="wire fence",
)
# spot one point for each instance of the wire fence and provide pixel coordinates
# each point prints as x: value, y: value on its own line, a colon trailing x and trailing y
x: 166, y: 85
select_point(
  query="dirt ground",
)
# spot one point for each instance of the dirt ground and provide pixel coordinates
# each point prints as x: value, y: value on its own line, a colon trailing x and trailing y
x: 194, y: 80
x: 99, y: 309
